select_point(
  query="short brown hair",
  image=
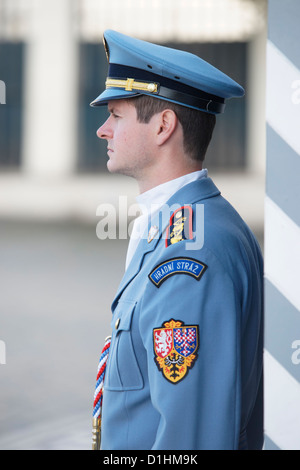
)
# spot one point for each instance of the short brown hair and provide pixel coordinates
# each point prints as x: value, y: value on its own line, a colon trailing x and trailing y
x: 197, y: 126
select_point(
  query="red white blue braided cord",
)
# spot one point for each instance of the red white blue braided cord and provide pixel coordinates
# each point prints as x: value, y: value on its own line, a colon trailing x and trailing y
x: 98, y: 395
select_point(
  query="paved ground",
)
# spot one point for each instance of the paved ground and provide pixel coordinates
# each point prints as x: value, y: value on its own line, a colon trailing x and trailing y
x: 57, y: 282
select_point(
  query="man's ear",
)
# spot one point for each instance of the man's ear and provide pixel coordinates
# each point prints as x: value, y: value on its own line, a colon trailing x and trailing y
x: 166, y: 125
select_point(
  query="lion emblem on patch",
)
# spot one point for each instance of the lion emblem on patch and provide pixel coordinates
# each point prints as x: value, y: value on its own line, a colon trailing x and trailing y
x: 175, y: 348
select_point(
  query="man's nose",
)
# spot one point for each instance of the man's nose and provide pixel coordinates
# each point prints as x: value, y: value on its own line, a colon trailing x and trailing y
x: 105, y: 131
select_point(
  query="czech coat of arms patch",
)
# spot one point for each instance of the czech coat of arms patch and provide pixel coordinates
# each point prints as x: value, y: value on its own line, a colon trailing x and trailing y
x: 175, y: 348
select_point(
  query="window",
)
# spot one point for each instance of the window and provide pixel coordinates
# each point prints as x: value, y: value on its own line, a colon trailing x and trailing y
x: 11, y: 64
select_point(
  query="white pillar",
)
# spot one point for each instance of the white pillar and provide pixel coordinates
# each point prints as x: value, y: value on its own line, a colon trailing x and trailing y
x: 256, y: 103
x: 51, y: 73
x: 282, y: 229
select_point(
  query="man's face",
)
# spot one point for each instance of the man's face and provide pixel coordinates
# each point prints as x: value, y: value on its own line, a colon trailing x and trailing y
x: 128, y: 141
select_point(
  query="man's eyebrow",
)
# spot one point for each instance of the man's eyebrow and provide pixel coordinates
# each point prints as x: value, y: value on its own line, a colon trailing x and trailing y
x: 112, y: 109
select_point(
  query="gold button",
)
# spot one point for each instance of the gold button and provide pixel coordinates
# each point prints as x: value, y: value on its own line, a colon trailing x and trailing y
x: 152, y: 87
x: 117, y: 323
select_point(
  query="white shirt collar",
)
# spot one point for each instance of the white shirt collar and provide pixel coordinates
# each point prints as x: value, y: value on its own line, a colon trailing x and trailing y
x: 156, y: 197
x: 151, y: 201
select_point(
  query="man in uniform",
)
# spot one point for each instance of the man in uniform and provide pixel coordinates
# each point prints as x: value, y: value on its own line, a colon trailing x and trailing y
x: 184, y: 369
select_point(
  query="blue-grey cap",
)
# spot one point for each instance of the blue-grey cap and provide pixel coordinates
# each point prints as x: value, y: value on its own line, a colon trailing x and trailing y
x: 139, y: 67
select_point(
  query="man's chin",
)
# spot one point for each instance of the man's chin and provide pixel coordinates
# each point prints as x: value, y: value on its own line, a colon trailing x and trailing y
x: 114, y: 169
x: 117, y: 170
x: 111, y: 167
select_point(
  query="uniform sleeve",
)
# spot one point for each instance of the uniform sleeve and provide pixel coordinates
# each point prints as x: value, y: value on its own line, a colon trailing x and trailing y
x: 191, y: 331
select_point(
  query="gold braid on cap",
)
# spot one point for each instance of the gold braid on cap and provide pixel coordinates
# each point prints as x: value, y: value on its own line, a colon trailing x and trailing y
x: 130, y: 84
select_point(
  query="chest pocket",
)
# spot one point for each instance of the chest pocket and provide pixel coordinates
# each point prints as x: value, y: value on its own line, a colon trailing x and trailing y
x: 123, y: 371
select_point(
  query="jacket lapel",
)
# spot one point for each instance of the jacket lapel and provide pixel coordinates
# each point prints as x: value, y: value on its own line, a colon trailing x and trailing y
x: 145, y: 246
x: 189, y: 194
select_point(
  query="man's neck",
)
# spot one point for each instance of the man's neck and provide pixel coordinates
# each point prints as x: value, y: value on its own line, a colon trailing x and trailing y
x: 164, y: 177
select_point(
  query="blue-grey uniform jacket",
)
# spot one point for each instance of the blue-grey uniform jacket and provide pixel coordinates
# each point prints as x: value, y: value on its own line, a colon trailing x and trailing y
x: 185, y: 363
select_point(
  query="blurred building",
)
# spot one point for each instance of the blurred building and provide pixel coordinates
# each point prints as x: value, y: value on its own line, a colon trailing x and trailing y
x: 53, y: 167
x: 53, y: 64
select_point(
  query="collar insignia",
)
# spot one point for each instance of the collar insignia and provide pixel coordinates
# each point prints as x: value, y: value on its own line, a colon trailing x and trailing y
x: 180, y: 227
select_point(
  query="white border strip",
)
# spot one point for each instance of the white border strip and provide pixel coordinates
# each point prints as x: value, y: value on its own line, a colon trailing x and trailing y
x: 282, y: 406
x: 283, y: 96
x: 282, y: 252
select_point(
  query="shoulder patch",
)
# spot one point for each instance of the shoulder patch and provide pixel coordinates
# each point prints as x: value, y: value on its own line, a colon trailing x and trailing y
x: 175, y: 349
x: 181, y: 226
x: 180, y: 265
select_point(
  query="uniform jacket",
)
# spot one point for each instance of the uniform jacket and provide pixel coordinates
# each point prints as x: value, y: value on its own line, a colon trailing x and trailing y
x: 185, y: 363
